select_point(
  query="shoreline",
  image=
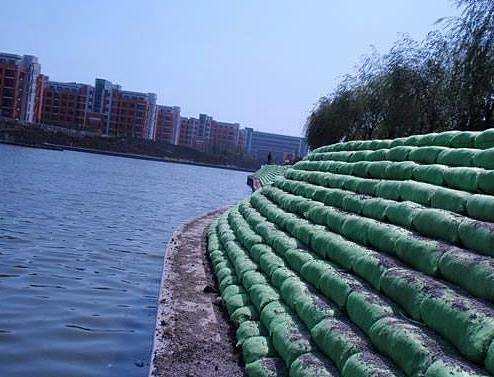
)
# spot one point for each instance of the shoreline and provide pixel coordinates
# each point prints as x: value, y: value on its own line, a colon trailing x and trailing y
x: 62, y: 148
x: 193, y: 336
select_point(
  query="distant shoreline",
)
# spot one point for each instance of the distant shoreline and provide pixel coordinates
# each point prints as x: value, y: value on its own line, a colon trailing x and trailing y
x: 61, y: 148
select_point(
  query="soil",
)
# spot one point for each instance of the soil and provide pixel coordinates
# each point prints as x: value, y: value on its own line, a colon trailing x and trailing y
x: 193, y: 336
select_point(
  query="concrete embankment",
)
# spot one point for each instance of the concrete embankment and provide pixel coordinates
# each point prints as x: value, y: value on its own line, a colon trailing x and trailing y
x: 193, y: 336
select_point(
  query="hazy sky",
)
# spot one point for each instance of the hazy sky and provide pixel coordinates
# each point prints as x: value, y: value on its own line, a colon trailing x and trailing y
x: 262, y: 63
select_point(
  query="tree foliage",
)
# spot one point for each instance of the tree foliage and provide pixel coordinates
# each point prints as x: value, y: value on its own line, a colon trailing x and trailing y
x: 443, y: 82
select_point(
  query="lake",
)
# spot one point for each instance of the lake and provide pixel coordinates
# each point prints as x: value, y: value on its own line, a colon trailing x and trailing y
x: 82, y: 238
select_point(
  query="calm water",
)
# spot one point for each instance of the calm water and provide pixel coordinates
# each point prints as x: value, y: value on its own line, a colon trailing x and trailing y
x: 81, y: 245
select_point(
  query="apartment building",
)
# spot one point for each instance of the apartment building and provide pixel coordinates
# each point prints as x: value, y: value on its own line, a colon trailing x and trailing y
x: 168, y: 124
x: 18, y: 86
x: 224, y: 136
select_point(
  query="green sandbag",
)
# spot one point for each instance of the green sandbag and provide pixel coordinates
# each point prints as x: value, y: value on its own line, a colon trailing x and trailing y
x: 360, y: 155
x: 365, y: 308
x: 249, y: 329
x: 318, y: 214
x: 282, y: 243
x: 375, y: 208
x: 274, y: 311
x: 426, y: 155
x: 489, y: 361
x: 473, y: 272
x: 453, y: 367
x: 370, y: 266
x: 378, y: 169
x: 355, y: 228
x: 485, y: 159
x: 337, y: 249
x: 244, y: 266
x: 251, y: 278
x: 478, y: 236
x: 433, y: 174
x: 280, y: 275
x: 408, y: 289
x: 229, y: 280
x: 224, y: 272
x: 485, y: 139
x: 462, y: 178
x: 294, y: 290
x: 234, y: 302
x: 221, y: 265
x: 379, y: 154
x: 457, y: 157
x: 314, y: 310
x: 450, y: 200
x: 305, y: 230
x: 354, y: 203
x: 335, y: 197
x: 467, y: 323
x: 266, y: 367
x: 339, y: 339
x: 297, y: 258
x: 368, y: 186
x: 438, y: 224
x: 389, y: 190
x: 412, y: 348
x: 465, y: 139
x: 258, y: 250
x: 335, y: 219
x: 336, y: 285
x: 261, y: 295
x: 365, y: 364
x: 361, y: 169
x: 255, y: 348
x: 445, y: 138
x: 269, y: 262
x: 401, y: 170
x: 398, y: 142
x: 402, y: 213
x: 245, y: 313
x: 313, y: 270
x: 232, y: 290
x: 481, y: 207
x: 400, y: 153
x: 417, y: 192
x: 427, y: 139
x: 486, y: 182
x: 353, y: 183
x: 313, y: 364
x: 383, y: 236
x: 291, y: 340
x: 419, y: 252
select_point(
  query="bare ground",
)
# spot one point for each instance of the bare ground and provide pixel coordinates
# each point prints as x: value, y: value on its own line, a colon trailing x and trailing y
x: 193, y: 336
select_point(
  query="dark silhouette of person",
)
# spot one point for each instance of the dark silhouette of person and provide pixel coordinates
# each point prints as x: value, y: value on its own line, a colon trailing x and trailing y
x: 270, y: 158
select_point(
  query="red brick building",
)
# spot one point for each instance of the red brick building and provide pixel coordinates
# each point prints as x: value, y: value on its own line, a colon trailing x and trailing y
x: 224, y: 136
x: 168, y: 124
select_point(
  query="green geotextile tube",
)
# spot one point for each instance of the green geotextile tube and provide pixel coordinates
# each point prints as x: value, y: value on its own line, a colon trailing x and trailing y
x: 485, y: 139
x: 413, y: 349
x: 229, y: 280
x: 258, y: 250
x: 409, y: 289
x: 337, y: 249
x: 450, y: 200
x: 244, y: 266
x: 245, y: 313
x: 433, y: 174
x: 318, y: 214
x: 335, y: 219
x: 420, y: 253
x: 232, y: 290
x: 336, y: 285
x: 224, y: 272
x: 361, y: 169
x: 269, y: 262
x: 457, y: 157
x: 478, y: 236
x: 445, y: 139
x: 400, y: 153
x: 463, y: 178
x: 376, y: 208
x: 365, y: 308
x: 274, y: 311
x: 339, y: 339
x: 438, y: 224
x: 378, y: 169
x: 255, y: 348
x: 233, y: 302
x: 313, y: 270
x: 291, y: 339
x: 279, y: 276
x: 486, y: 182
x: 481, y: 207
x: 294, y: 290
x: 368, y: 186
x: 372, y: 265
x: 248, y: 329
x: 452, y: 367
x: 389, y: 190
x: 473, y: 272
x: 297, y: 258
x: 383, y: 236
x: 313, y: 364
x: 223, y: 264
x: 485, y: 159
x: 261, y: 295
x: 314, y: 310
x: 427, y: 155
x: 365, y: 364
x: 417, y: 192
x: 465, y: 322
x: 402, y: 213
x: 400, y: 171
x: 251, y: 278
x: 354, y: 203
x: 465, y: 139
x: 282, y: 243
x: 266, y: 367
x: 356, y: 228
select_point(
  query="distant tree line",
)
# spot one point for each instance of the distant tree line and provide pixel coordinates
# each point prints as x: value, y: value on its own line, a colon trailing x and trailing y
x: 444, y: 82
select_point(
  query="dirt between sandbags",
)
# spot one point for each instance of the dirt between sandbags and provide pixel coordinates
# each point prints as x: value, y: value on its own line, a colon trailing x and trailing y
x: 193, y: 336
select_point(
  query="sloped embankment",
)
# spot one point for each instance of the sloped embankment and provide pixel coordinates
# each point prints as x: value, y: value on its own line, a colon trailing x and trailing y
x: 266, y: 175
x: 366, y: 259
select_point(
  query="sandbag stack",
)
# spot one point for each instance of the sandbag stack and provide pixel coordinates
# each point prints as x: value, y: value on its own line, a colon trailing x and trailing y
x: 367, y: 258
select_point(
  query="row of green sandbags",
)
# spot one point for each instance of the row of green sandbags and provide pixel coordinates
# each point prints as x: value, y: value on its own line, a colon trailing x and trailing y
x: 469, y: 326
x: 268, y: 173
x: 452, y: 139
x: 410, y: 346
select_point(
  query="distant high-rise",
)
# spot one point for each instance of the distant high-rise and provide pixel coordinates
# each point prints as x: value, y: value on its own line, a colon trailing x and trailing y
x: 281, y: 147
x: 18, y: 86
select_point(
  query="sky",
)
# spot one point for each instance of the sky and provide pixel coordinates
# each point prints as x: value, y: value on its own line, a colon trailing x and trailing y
x: 261, y: 63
